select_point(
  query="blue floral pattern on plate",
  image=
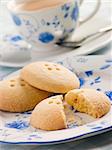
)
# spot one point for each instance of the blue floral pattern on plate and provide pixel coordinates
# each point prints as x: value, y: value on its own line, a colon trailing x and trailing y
x: 15, y: 127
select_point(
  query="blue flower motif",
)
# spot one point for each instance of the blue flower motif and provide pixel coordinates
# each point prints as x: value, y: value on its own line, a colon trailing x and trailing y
x: 66, y: 15
x: 60, y: 62
x: 65, y: 7
x: 89, y: 73
x: 105, y: 67
x: 46, y: 37
x: 35, y: 136
x: 109, y: 94
x: 48, y: 23
x: 95, y: 128
x: 17, y: 125
x: 27, y: 113
x: 98, y: 79
x: 75, y: 13
x: 82, y: 82
x: 16, y: 38
x: 92, y: 83
x: 16, y: 20
x: 98, y: 89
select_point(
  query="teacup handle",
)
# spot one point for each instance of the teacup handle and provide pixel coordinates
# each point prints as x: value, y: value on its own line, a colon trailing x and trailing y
x: 92, y: 14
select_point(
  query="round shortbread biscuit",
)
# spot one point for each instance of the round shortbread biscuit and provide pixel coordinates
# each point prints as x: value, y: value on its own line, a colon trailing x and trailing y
x: 49, y: 114
x: 18, y: 96
x: 50, y: 77
x: 90, y: 101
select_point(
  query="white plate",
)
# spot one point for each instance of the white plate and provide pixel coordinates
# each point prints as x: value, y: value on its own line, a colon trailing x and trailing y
x: 94, y: 72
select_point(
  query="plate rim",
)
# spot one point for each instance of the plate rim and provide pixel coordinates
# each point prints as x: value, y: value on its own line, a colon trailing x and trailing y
x: 62, y: 141
x: 72, y: 138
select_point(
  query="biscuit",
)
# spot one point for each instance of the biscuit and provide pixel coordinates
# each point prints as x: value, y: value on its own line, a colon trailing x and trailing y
x: 50, y: 77
x: 18, y: 96
x: 89, y: 101
x: 49, y: 114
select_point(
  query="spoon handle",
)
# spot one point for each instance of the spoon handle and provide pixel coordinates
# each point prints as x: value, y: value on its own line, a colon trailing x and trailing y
x: 106, y: 29
x: 83, y: 40
x: 101, y: 31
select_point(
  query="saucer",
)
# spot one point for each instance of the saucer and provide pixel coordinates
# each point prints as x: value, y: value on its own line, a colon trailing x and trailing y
x: 13, y: 49
x: 88, y: 48
x: 100, y: 20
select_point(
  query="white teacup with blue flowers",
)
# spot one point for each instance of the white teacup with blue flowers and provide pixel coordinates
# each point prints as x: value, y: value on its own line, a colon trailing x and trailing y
x: 44, y: 26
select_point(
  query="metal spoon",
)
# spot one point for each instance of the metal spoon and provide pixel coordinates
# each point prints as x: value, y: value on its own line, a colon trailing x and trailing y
x: 79, y: 43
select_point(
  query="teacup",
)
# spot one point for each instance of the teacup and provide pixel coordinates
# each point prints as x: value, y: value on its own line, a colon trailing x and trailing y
x: 44, y: 27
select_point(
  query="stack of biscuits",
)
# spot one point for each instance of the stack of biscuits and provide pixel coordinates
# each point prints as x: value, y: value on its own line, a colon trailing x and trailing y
x: 35, y: 89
